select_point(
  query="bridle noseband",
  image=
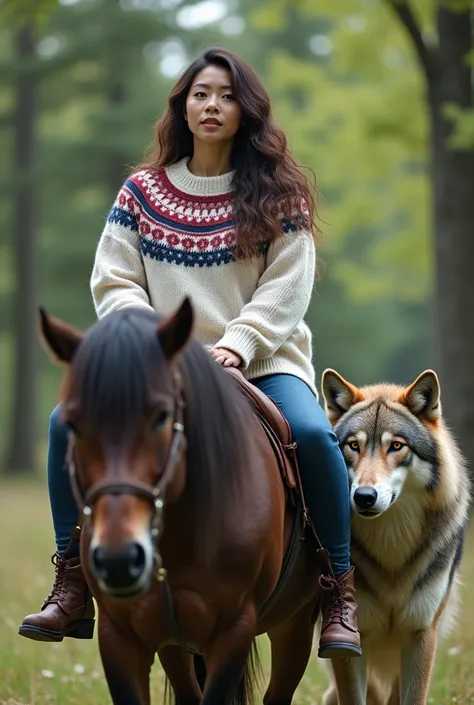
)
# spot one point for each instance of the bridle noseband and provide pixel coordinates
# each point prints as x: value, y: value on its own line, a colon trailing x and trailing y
x: 152, y: 494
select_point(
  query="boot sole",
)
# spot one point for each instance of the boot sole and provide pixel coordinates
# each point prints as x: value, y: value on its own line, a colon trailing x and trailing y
x: 336, y: 650
x: 84, y: 629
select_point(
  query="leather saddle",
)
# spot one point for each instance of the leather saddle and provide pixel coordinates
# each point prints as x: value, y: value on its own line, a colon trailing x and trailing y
x: 279, y: 434
x: 277, y: 429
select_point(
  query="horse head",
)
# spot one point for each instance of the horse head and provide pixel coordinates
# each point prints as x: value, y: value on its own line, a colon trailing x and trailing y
x: 123, y: 402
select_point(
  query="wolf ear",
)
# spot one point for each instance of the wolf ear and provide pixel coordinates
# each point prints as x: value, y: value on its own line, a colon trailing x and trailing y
x: 339, y: 395
x: 422, y: 397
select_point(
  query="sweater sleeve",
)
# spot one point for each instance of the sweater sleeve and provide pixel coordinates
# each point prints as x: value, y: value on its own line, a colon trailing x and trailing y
x: 118, y: 276
x: 279, y: 303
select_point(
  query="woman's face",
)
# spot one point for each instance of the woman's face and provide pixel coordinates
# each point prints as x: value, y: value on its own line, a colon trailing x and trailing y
x: 212, y: 113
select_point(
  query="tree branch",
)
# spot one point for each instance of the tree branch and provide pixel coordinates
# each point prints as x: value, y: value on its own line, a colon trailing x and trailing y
x: 426, y: 57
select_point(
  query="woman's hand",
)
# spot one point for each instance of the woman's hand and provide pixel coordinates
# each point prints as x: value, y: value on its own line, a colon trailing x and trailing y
x: 225, y: 357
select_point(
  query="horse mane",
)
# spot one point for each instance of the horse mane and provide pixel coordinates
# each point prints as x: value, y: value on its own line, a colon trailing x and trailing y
x: 221, y: 445
x: 112, y: 383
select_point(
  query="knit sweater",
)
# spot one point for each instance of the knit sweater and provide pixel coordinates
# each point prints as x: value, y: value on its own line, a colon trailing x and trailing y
x: 170, y: 234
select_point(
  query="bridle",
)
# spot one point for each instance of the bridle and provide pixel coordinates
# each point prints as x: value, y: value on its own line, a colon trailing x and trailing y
x: 151, y: 493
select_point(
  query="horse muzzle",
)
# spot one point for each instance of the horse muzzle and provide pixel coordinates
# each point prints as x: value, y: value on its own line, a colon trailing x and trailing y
x: 122, y: 571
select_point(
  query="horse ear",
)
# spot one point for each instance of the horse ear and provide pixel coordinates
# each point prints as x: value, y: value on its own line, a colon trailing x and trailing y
x: 59, y: 337
x: 339, y: 395
x: 175, y: 330
x: 422, y: 397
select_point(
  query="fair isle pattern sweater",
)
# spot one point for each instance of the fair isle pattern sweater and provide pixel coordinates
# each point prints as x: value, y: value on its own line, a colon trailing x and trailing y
x: 170, y: 234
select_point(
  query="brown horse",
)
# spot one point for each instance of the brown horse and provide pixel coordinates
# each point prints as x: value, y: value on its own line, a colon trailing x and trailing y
x: 186, y: 524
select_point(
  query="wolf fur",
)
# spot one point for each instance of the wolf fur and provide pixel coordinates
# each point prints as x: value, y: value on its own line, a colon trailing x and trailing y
x: 410, y: 495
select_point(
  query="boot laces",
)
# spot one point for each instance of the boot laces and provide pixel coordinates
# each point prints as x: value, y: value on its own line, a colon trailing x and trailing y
x: 60, y: 581
x: 338, y: 607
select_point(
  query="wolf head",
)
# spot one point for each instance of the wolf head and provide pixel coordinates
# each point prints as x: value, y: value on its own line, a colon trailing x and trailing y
x: 388, y: 436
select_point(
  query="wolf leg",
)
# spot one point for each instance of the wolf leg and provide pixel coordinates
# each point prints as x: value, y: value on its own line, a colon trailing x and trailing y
x: 394, y: 698
x: 417, y: 664
x: 350, y: 679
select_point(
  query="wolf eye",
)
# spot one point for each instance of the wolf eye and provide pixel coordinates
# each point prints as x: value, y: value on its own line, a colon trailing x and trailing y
x: 354, y: 445
x: 396, y: 445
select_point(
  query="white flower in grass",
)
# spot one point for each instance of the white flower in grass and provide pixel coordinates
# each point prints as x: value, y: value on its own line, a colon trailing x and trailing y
x: 47, y: 674
x: 79, y: 668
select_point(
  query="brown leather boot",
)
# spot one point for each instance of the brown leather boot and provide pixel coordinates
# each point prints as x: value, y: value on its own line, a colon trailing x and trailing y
x: 340, y: 637
x: 68, y: 610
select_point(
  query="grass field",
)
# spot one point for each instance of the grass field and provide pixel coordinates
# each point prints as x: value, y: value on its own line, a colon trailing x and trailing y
x: 70, y: 673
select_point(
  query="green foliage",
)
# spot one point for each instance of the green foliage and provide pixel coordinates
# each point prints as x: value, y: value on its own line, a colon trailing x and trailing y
x: 17, y: 13
x: 362, y: 128
x: 457, y: 5
x: 351, y: 99
x: 462, y: 137
x: 270, y: 16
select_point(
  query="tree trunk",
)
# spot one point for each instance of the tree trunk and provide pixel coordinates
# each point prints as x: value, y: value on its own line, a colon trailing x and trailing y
x: 449, y: 80
x: 453, y: 210
x: 22, y: 441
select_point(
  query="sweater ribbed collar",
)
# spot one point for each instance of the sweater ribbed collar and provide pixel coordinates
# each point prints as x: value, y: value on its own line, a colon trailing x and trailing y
x: 185, y: 181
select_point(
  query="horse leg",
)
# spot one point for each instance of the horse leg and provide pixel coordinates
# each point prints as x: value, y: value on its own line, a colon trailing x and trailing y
x: 228, y: 673
x: 127, y: 662
x: 178, y: 666
x: 291, y: 644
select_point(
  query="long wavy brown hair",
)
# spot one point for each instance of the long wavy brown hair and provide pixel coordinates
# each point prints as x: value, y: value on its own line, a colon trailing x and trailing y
x: 269, y: 186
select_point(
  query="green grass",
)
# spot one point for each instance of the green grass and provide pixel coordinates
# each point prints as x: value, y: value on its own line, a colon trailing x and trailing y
x: 33, y: 673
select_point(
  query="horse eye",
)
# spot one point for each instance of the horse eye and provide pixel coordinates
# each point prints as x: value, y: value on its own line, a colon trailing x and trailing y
x: 72, y: 427
x: 161, y: 419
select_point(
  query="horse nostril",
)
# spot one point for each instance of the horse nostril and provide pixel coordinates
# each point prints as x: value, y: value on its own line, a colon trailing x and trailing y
x: 98, y: 562
x: 365, y: 497
x: 137, y: 559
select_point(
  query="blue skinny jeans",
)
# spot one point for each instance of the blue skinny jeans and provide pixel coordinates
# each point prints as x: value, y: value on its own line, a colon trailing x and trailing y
x: 322, y: 466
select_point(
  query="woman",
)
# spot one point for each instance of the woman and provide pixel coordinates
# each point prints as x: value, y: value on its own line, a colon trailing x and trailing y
x: 219, y: 211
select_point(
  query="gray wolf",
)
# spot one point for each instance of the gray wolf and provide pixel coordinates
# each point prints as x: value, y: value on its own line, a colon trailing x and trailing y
x: 410, y: 494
